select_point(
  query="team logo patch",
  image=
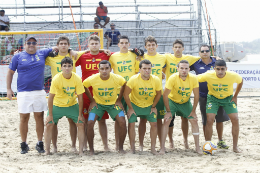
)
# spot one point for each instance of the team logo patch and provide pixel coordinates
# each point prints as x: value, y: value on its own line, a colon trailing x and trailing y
x: 234, y: 106
x: 93, y: 60
x: 68, y: 88
x: 37, y: 58
x: 124, y: 62
x: 85, y: 111
x: 105, y: 89
x: 219, y: 85
x: 183, y: 89
x: 145, y: 89
x: 209, y: 105
x: 211, y: 68
x: 153, y: 65
x: 24, y: 60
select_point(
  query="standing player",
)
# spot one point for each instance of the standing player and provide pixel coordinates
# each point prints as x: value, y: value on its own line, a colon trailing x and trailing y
x: 63, y: 45
x: 158, y: 64
x: 123, y: 63
x: 171, y: 68
x: 31, y: 96
x: 176, y: 98
x: 89, y: 66
x: 204, y: 64
x: 220, y: 85
x: 65, y: 88
x: 145, y: 92
x: 105, y: 85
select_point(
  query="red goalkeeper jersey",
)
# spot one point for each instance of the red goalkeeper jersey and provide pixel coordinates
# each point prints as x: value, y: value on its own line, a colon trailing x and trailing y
x: 89, y: 63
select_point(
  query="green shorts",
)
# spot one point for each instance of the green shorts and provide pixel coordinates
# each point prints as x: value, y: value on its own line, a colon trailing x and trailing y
x: 182, y: 110
x: 71, y: 112
x: 214, y: 103
x: 111, y: 110
x: 143, y: 113
x: 160, y: 109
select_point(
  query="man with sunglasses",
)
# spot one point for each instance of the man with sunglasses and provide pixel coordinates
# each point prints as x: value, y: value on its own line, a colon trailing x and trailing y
x: 31, y: 96
x: 203, y: 65
x: 112, y: 35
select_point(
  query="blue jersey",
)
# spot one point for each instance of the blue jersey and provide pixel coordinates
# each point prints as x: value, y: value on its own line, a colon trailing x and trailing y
x: 113, y: 34
x: 30, y: 68
x: 200, y: 67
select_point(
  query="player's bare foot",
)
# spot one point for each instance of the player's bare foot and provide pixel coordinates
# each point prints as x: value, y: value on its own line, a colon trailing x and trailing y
x: 186, y: 145
x: 132, y: 151
x: 106, y: 148
x: 162, y: 151
x: 81, y: 153
x: 141, y: 148
x: 154, y: 152
x: 121, y: 151
x: 171, y: 146
x: 117, y: 148
x: 85, y: 149
x: 54, y: 150
x: 47, y: 153
x: 91, y: 152
x: 199, y: 151
x: 237, y: 150
x: 74, y: 150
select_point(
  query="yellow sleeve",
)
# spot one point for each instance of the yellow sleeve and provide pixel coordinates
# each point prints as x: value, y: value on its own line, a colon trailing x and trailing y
x: 130, y: 83
x: 158, y: 84
x: 196, y: 82
x: 193, y: 59
x: 111, y: 62
x: 122, y: 81
x: 137, y: 66
x: 86, y: 82
x: 238, y: 79
x: 169, y: 83
x: 79, y: 88
x: 47, y: 61
x: 202, y: 77
x: 79, y: 54
x: 53, y: 89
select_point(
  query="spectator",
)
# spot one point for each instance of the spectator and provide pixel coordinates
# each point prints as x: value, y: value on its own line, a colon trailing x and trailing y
x: 101, y: 13
x: 4, y: 21
x: 112, y: 35
x: 10, y: 45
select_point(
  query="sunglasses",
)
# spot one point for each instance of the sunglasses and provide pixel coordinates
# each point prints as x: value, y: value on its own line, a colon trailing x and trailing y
x: 207, y: 51
x: 33, y: 43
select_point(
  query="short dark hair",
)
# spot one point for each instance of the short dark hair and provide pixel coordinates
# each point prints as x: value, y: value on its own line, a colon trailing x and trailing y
x: 100, y: 3
x: 96, y: 24
x: 94, y: 37
x: 220, y: 63
x: 2, y: 10
x: 104, y: 62
x: 204, y: 45
x: 183, y: 61
x: 178, y: 41
x: 63, y: 38
x: 124, y: 37
x: 150, y: 39
x: 66, y: 60
x: 145, y: 61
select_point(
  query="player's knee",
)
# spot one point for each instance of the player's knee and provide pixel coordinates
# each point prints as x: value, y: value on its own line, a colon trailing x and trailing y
x: 80, y: 125
x: 234, y: 119
x: 193, y: 121
x: 107, y: 19
x: 90, y: 124
x: 50, y: 125
x: 122, y: 122
x: 153, y: 125
x: 24, y: 119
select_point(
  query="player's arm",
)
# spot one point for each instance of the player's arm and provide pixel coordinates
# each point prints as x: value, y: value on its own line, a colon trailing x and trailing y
x: 168, y: 114
x: 92, y: 100
x: 9, y: 79
x: 239, y: 86
x: 119, y: 98
x: 195, y: 102
x: 155, y: 101
x: 50, y: 106
x: 163, y: 72
x: 80, y: 101
x: 130, y: 111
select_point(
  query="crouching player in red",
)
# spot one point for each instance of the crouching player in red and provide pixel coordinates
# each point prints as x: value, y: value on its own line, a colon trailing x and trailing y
x: 65, y: 88
x: 105, y: 85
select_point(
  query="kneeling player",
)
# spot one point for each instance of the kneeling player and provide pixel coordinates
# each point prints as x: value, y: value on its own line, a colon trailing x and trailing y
x: 220, y: 85
x: 145, y: 90
x: 105, y: 86
x: 180, y: 86
x: 65, y: 88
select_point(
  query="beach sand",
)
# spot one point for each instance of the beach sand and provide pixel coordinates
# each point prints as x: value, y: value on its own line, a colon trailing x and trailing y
x: 178, y: 160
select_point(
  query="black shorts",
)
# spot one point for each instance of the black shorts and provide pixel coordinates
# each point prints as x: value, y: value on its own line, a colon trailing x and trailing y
x: 220, y: 117
x: 2, y: 27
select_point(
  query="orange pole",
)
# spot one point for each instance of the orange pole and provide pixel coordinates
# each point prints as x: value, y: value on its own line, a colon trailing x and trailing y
x: 74, y: 25
x: 209, y: 30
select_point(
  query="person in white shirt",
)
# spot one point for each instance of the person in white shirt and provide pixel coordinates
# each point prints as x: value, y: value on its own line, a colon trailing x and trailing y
x: 4, y: 21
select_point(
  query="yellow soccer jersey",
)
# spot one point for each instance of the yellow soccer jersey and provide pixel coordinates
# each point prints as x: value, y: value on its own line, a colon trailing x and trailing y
x: 143, y: 91
x: 55, y: 63
x: 181, y: 90
x: 123, y: 64
x: 158, y: 62
x: 104, y: 91
x: 172, y: 61
x: 220, y: 87
x: 65, y: 90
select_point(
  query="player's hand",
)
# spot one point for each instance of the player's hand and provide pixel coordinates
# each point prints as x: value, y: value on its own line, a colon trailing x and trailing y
x: 130, y: 112
x: 49, y: 119
x: 53, y: 53
x: 87, y: 51
x: 81, y: 118
x: 119, y: 103
x: 193, y: 114
x: 163, y: 76
x: 16, y: 52
x: 234, y: 99
x: 154, y: 110
x: 138, y: 52
x: 10, y: 94
x: 92, y: 105
x: 74, y: 54
x: 167, y: 116
x: 101, y: 17
x: 107, y: 52
x: 217, y: 58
